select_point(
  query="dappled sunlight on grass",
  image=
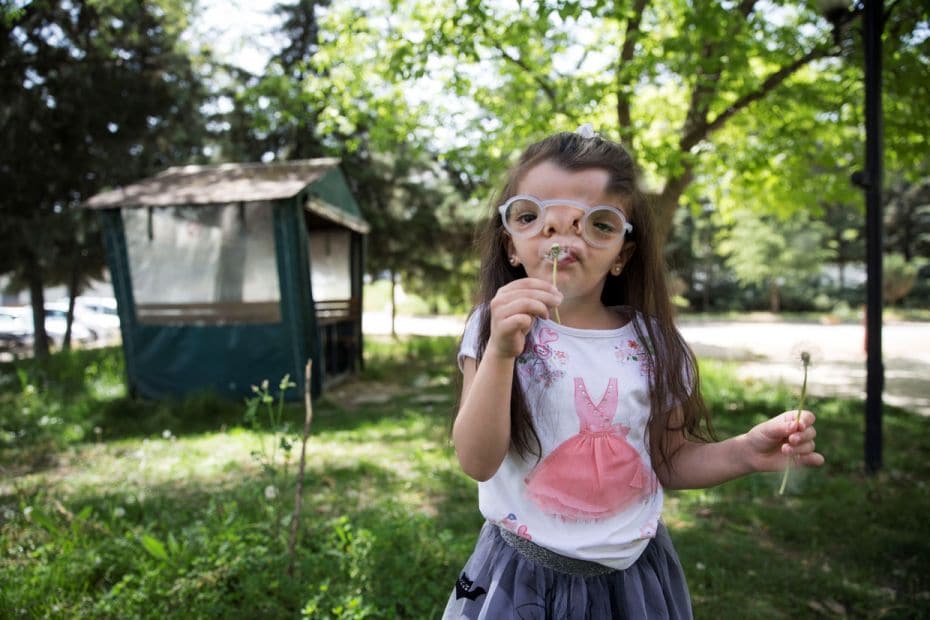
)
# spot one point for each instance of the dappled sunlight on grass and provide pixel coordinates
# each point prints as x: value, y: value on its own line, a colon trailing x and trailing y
x: 166, y: 508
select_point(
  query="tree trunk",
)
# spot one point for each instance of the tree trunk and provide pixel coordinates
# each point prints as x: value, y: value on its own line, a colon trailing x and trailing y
x: 705, y: 297
x: 37, y: 297
x: 665, y: 202
x: 775, y: 298
x: 393, y: 303
x: 72, y: 294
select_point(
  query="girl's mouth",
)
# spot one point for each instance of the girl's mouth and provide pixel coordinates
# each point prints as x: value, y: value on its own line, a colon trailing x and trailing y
x: 563, y: 255
x: 567, y: 260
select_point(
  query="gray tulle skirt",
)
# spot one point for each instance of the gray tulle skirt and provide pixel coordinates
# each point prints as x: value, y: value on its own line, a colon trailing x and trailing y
x: 501, y: 581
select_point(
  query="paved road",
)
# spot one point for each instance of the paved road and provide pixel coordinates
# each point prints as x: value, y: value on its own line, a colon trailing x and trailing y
x: 769, y: 350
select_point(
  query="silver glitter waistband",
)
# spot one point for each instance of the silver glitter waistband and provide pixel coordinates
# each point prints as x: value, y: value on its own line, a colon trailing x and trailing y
x: 553, y: 560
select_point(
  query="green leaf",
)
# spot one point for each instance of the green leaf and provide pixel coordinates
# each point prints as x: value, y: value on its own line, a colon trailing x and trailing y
x: 173, y: 546
x: 155, y: 547
x: 45, y: 521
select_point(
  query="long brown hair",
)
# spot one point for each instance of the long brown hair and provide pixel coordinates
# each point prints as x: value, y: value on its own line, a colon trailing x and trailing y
x: 641, y: 286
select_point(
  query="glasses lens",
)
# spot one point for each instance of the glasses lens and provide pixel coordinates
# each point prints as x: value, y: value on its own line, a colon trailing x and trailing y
x: 603, y: 227
x: 523, y: 217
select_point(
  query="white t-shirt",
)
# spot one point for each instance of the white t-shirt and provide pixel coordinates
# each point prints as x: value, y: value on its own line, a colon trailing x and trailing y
x: 593, y: 494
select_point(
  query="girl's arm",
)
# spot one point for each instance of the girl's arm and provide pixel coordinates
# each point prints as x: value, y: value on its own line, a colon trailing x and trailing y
x: 482, y: 427
x: 481, y: 432
x: 765, y: 447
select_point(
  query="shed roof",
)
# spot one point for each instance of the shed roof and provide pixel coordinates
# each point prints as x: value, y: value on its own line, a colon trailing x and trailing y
x: 229, y: 183
x: 217, y: 184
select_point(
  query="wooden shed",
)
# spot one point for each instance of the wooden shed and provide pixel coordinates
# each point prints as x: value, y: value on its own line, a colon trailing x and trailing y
x: 226, y: 275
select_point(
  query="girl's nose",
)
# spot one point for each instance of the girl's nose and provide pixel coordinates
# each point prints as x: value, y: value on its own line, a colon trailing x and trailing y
x: 561, y: 219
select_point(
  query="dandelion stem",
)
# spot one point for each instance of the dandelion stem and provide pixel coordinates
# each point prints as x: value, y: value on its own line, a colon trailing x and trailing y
x: 805, y: 360
x: 555, y: 251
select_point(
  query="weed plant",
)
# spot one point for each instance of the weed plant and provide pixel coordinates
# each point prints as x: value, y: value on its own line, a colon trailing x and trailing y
x: 164, y: 513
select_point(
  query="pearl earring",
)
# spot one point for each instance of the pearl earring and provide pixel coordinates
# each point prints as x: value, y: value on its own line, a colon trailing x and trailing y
x: 617, y: 269
x: 513, y: 260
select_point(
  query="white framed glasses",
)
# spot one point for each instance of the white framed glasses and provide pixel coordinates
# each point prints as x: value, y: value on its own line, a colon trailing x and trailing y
x: 601, y: 226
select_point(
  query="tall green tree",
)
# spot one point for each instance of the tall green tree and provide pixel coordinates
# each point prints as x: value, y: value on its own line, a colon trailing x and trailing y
x: 907, y: 219
x: 93, y: 93
x: 736, y: 93
x: 773, y: 252
x: 692, y: 254
x: 329, y: 91
x: 270, y: 115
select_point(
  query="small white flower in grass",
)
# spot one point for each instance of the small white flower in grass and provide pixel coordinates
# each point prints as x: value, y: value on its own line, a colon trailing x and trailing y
x: 119, y: 512
x: 27, y: 512
x: 270, y: 492
x: 700, y: 566
x: 166, y: 434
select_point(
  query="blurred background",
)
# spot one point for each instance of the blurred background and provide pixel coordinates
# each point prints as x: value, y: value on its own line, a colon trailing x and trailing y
x: 746, y: 118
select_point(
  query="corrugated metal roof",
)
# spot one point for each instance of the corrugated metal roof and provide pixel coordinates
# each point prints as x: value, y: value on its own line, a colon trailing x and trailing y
x: 217, y: 184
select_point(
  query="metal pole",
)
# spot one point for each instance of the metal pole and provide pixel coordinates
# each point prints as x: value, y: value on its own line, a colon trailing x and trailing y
x: 872, y: 44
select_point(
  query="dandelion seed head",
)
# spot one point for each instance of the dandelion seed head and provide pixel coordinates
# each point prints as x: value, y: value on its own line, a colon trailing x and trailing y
x: 806, y: 354
x: 119, y: 512
x: 270, y: 492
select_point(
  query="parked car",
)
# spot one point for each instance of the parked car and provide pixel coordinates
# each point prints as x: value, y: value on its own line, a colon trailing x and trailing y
x: 15, y: 332
x: 96, y: 314
x: 55, y: 324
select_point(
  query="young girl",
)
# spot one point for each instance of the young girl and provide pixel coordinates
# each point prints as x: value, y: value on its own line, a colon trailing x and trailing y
x: 581, y: 402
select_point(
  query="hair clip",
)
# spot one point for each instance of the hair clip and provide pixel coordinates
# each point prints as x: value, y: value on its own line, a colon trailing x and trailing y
x: 586, y: 131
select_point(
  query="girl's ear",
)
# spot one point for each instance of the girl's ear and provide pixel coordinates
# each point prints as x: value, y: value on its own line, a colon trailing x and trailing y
x: 625, y: 253
x: 512, y: 253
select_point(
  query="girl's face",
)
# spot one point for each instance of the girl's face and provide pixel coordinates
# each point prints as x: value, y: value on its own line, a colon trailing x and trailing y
x: 583, y: 267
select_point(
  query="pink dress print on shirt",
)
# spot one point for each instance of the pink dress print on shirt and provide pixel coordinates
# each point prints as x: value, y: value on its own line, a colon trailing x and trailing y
x: 596, y: 473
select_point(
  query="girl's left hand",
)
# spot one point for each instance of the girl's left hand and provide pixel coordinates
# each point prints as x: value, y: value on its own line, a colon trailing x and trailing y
x: 784, y: 436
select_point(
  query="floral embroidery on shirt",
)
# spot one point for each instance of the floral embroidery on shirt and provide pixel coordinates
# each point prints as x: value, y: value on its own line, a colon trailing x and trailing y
x: 538, y: 360
x: 510, y: 523
x: 634, y: 351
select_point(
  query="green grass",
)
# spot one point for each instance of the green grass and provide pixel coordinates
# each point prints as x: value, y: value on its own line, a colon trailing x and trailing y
x: 162, y: 510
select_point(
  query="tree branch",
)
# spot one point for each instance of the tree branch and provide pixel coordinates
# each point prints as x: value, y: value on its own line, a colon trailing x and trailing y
x: 702, y: 130
x: 545, y: 86
x: 707, y: 83
x: 519, y: 62
x: 630, y: 37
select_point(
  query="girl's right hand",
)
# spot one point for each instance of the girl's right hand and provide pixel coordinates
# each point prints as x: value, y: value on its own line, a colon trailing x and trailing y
x: 513, y: 310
